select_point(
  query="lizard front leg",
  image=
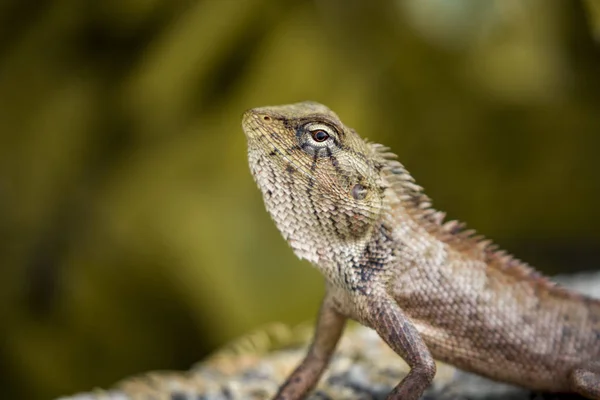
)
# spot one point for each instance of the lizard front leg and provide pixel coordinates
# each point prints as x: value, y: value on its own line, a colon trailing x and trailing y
x: 388, y: 320
x: 305, y: 377
x: 585, y: 380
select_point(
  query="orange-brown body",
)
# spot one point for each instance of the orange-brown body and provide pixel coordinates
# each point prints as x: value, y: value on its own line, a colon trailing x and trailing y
x: 430, y: 289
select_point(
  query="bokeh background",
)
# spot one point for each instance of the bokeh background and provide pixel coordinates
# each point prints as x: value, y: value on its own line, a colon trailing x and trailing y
x: 133, y: 237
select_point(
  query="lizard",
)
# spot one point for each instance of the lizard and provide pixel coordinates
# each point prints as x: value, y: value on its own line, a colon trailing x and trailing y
x: 430, y: 288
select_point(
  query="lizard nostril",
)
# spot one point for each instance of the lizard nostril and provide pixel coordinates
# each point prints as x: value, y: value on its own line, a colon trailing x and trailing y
x: 267, y: 118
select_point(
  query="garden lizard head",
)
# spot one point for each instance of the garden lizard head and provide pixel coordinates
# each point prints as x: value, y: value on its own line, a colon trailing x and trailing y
x: 320, y: 181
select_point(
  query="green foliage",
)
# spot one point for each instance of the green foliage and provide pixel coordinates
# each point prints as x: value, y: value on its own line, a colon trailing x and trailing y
x: 593, y: 10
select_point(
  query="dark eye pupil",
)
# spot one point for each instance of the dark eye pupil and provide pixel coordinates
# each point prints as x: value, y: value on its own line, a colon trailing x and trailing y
x: 320, y: 135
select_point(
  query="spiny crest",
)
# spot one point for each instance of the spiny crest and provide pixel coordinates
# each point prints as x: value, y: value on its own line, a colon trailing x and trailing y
x: 454, y: 233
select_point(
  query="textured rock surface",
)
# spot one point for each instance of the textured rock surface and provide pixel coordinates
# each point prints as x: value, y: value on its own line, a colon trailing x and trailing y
x: 363, y: 368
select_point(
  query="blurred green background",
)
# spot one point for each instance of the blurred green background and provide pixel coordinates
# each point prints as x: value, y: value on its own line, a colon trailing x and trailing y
x: 133, y: 237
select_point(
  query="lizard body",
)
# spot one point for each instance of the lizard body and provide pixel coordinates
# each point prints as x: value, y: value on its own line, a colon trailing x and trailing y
x: 430, y: 289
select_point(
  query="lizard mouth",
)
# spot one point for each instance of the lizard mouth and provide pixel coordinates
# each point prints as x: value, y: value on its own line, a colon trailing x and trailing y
x: 262, y: 137
x: 253, y: 123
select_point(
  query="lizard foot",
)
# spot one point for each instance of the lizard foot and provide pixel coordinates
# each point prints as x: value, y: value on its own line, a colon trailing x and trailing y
x: 585, y: 380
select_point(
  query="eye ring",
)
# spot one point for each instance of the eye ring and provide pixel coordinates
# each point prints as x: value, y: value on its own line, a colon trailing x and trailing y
x: 319, y: 135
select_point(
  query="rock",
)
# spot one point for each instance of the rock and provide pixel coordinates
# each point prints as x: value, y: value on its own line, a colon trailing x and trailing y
x: 363, y: 368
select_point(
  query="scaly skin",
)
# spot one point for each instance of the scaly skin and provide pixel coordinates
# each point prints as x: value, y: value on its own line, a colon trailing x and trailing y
x: 430, y: 289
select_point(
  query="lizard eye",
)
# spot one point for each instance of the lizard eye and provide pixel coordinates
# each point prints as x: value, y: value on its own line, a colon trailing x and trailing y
x: 317, y: 138
x: 319, y: 135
